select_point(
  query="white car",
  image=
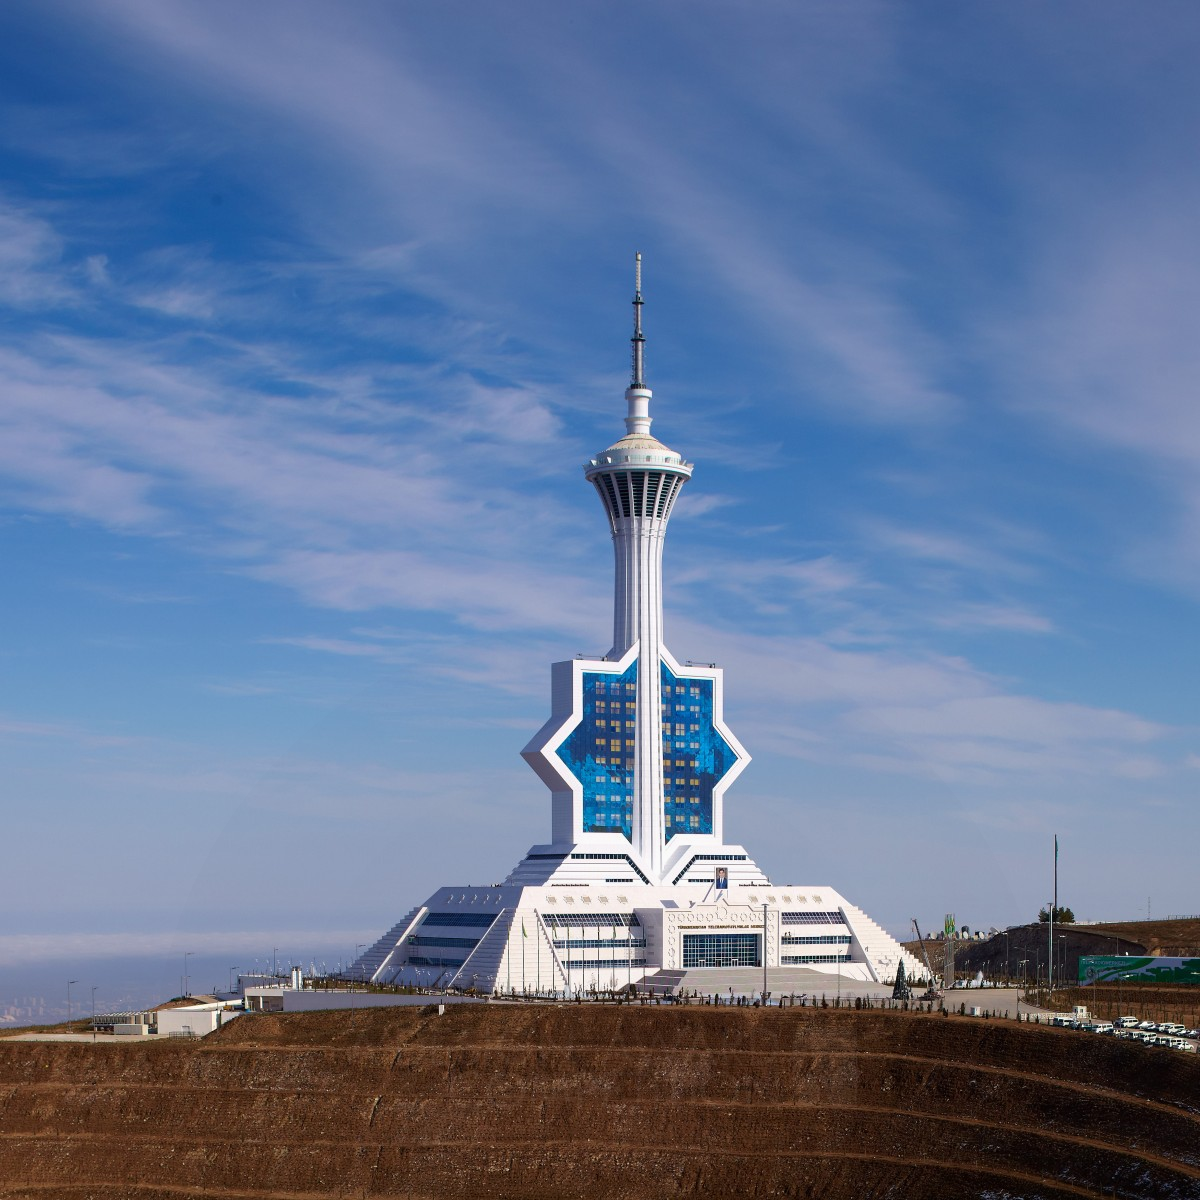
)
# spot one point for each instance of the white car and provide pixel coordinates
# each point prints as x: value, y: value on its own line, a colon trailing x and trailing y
x: 1126, y: 1022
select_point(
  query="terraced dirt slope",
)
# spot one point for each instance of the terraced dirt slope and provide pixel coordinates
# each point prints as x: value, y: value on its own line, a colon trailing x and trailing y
x: 1179, y: 937
x: 513, y: 1101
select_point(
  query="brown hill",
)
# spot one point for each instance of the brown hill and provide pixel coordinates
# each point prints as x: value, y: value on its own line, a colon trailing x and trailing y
x: 1178, y: 938
x: 1022, y: 951
x: 601, y: 1102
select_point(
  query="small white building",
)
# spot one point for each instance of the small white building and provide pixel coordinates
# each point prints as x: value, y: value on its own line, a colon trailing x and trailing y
x: 195, y: 1020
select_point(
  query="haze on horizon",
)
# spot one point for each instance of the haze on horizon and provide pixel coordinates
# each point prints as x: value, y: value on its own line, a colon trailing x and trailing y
x: 311, y: 315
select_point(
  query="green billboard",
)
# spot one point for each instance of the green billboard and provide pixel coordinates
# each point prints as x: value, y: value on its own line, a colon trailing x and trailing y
x: 1105, y: 968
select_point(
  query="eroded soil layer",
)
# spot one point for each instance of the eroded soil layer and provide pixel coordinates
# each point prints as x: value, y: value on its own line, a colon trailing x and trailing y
x: 600, y: 1102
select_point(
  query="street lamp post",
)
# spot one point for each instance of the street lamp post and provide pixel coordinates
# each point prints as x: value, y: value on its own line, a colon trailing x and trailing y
x: 69, y: 983
x: 764, y: 955
x: 185, y: 972
x: 94, y: 1014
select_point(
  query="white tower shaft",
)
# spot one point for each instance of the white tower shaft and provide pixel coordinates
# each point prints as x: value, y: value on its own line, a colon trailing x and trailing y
x: 638, y: 479
x: 638, y: 619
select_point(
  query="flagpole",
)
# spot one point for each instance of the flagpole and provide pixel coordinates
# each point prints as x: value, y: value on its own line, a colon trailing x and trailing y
x: 537, y: 928
x: 1056, y: 885
x: 1050, y: 927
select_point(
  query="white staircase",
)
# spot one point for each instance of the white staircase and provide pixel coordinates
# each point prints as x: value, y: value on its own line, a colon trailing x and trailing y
x: 883, y: 952
x: 370, y: 963
x: 483, y: 963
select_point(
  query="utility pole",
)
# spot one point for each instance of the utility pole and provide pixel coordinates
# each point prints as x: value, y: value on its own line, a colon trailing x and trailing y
x: 764, y: 956
x: 1053, y: 911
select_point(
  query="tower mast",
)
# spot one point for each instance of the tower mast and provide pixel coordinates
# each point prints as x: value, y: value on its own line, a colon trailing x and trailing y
x: 638, y: 479
x: 639, y: 341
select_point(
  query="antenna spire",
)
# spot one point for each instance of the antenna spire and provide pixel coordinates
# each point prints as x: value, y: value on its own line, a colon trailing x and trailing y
x: 638, y: 340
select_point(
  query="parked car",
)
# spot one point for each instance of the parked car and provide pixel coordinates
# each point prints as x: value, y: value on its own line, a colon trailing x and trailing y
x: 1126, y: 1022
x: 1101, y: 1027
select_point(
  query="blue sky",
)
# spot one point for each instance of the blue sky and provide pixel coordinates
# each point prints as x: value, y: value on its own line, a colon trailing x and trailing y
x: 311, y: 314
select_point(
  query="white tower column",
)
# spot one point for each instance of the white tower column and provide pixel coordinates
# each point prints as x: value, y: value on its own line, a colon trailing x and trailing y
x: 638, y: 479
x: 638, y: 546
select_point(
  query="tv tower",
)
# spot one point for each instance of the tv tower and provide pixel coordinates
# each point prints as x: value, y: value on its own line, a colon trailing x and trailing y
x: 637, y: 884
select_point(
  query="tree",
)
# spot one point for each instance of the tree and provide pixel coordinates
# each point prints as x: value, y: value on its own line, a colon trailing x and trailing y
x: 901, y: 990
x: 1062, y: 916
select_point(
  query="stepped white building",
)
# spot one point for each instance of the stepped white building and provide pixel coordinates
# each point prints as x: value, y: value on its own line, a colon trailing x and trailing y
x: 637, y: 884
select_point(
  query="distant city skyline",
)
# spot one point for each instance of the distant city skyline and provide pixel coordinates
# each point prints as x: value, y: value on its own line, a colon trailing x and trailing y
x: 287, y: 291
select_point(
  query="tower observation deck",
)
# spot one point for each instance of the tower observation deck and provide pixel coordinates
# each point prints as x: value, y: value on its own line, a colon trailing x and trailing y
x: 637, y: 877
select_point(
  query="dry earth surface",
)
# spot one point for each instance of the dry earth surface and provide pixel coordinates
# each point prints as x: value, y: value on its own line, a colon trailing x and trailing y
x: 601, y: 1102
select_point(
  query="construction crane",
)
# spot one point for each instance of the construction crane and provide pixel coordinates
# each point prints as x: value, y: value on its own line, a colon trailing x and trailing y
x: 932, y: 993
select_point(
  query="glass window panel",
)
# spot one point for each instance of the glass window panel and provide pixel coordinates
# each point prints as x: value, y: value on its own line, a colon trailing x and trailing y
x: 712, y: 756
x: 607, y: 798
x: 722, y: 949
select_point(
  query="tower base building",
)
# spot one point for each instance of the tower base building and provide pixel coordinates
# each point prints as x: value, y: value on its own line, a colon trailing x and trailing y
x: 637, y: 885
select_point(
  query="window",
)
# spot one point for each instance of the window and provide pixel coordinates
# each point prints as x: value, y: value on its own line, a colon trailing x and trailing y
x: 816, y: 939
x: 583, y: 943
x: 593, y: 964
x: 592, y: 920
x: 477, y: 919
x: 721, y: 950
x: 813, y: 918
x: 593, y: 752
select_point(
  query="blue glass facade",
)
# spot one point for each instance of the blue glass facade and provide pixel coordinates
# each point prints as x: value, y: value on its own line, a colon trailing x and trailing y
x: 695, y: 755
x: 600, y: 751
